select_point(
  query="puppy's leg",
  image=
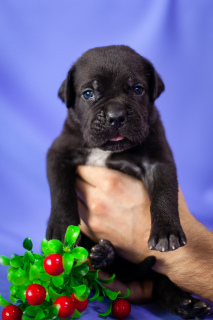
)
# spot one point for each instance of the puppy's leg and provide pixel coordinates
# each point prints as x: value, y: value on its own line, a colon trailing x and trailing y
x: 64, y: 209
x: 167, y: 295
x: 166, y: 231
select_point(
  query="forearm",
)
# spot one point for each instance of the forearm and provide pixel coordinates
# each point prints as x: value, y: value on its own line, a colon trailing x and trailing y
x: 191, y: 267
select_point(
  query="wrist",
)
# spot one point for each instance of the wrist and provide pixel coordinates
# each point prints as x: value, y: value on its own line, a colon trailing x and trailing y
x: 190, y: 267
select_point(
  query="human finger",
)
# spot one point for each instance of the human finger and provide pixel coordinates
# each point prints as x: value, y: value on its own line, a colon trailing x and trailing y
x: 93, y: 198
x: 119, y: 186
x: 102, y: 177
x: 84, y: 189
x: 92, y: 175
x: 140, y: 291
x: 85, y: 221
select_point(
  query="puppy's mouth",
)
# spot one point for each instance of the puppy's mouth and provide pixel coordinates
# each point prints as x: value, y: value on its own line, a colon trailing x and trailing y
x: 117, y: 144
x: 117, y: 138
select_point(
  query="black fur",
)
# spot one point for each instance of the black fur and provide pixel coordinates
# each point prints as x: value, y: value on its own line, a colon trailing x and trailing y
x: 110, y: 94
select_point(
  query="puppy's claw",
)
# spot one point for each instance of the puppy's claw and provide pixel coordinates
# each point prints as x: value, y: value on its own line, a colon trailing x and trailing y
x: 152, y: 243
x: 164, y: 239
x: 162, y: 245
x: 186, y: 304
x: 192, y: 308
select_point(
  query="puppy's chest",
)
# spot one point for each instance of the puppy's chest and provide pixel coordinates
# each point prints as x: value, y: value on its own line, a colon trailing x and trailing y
x: 100, y: 158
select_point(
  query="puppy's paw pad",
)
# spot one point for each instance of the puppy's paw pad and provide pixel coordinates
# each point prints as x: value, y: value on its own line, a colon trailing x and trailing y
x: 102, y: 254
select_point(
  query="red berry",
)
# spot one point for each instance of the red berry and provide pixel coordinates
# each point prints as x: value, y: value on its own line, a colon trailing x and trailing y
x: 53, y: 264
x: 79, y: 305
x: 11, y: 312
x: 121, y: 308
x: 66, y: 307
x: 35, y: 294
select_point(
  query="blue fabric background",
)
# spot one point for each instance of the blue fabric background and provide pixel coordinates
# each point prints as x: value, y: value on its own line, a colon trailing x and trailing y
x: 39, y: 40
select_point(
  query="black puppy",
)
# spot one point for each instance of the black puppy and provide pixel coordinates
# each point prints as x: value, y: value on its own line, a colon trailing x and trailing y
x: 112, y: 121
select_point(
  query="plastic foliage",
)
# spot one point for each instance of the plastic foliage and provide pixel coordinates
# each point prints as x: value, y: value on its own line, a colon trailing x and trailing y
x: 29, y: 269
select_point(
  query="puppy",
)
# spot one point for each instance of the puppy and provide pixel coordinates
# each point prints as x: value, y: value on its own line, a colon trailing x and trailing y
x: 112, y: 121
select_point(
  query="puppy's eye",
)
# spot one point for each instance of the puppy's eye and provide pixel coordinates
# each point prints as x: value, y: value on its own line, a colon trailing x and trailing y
x: 88, y: 94
x: 138, y: 90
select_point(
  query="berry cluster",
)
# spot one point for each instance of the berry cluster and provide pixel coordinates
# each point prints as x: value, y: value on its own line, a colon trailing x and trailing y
x: 56, y: 284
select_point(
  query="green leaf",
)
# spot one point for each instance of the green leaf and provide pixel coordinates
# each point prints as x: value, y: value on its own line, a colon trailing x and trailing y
x: 38, y: 256
x: 58, y: 280
x: 4, y: 303
x: 39, y: 264
x: 21, y: 295
x: 4, y: 260
x: 126, y: 295
x: 34, y: 272
x: 73, y: 281
x: 71, y: 235
x: 44, y: 247
x: 80, y: 253
x: 79, y: 290
x: 13, y: 290
x: 82, y: 269
x: 29, y: 257
x: 40, y: 315
x: 44, y: 276
x: 17, y: 276
x: 107, y: 280
x: 53, y: 294
x: 107, y: 312
x: 31, y: 311
x: 13, y: 299
x: 53, y: 311
x: 27, y: 244
x: 52, y: 246
x: 24, y: 317
x: 76, y: 314
x: 83, y: 296
x: 55, y: 246
x: 97, y: 291
x: 100, y: 299
x: 68, y: 261
x: 16, y: 261
x: 92, y: 275
x: 111, y: 294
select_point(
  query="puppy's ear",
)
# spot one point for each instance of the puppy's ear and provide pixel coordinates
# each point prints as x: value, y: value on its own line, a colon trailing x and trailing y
x: 67, y: 91
x: 62, y: 91
x: 156, y: 85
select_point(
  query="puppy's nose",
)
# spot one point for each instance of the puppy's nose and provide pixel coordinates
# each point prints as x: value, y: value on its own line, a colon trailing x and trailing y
x: 116, y: 118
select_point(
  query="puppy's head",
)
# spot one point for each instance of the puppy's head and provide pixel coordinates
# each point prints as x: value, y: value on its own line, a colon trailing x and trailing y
x: 112, y: 90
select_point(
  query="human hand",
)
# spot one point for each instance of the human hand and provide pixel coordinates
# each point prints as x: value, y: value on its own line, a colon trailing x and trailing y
x: 116, y: 207
x: 140, y: 291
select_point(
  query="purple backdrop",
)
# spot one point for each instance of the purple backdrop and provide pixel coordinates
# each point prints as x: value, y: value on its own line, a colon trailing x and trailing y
x: 39, y: 40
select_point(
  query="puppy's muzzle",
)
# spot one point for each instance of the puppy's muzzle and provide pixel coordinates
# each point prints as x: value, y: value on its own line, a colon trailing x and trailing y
x: 116, y: 116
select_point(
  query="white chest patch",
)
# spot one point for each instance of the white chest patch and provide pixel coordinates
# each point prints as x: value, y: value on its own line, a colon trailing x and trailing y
x: 97, y: 157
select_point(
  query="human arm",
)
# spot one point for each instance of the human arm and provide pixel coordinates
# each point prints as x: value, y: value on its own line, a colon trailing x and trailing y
x: 115, y: 206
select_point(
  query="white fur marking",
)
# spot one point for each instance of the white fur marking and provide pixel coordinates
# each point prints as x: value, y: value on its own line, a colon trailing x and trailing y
x: 98, y: 157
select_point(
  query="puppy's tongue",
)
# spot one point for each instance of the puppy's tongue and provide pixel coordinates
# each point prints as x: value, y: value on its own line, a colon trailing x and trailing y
x: 118, y: 138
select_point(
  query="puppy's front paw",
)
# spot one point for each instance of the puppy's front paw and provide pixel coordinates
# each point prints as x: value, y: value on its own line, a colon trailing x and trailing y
x: 57, y: 228
x: 56, y: 231
x: 102, y: 254
x: 164, y: 239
